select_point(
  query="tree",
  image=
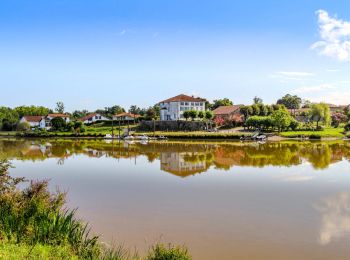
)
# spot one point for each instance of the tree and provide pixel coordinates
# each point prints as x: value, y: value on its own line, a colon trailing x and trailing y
x: 244, y: 110
x: 59, y: 107
x: 150, y: 113
x: 79, y: 114
x: 32, y: 111
x: 8, y: 118
x: 23, y: 127
x: 221, y: 102
x: 292, y: 102
x: 58, y: 123
x: 193, y: 114
x: 281, y: 119
x: 256, y: 110
x: 209, y: 115
x: 134, y: 110
x: 186, y: 114
x: 338, y: 118
x: 263, y: 110
x: 257, y: 100
x: 201, y: 114
x: 320, y: 112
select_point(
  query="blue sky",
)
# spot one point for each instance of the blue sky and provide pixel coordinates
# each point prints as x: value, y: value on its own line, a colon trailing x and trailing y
x: 92, y: 54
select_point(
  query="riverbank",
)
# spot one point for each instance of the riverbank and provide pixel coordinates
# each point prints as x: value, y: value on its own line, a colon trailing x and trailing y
x: 35, y: 224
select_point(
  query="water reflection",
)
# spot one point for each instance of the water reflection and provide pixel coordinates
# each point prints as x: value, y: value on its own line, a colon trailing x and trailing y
x: 335, y: 212
x: 185, y: 158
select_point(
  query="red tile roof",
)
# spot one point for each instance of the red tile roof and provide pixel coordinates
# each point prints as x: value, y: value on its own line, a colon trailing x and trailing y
x: 58, y: 115
x: 34, y: 119
x: 128, y: 115
x: 183, y: 98
x: 226, y: 110
x: 87, y: 117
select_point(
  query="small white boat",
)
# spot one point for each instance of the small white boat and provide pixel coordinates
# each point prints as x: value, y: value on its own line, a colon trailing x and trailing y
x: 129, y: 137
x: 144, y: 138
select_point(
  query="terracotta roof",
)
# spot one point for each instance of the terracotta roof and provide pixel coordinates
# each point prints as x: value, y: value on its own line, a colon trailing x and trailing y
x: 128, y: 114
x: 88, y: 117
x: 183, y: 98
x: 226, y: 110
x: 58, y: 115
x: 35, y: 119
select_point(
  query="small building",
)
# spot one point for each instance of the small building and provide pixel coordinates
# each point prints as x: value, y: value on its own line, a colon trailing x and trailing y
x: 92, y: 118
x: 172, y: 109
x: 126, y: 117
x: 43, y: 122
x: 34, y: 121
x: 228, y: 112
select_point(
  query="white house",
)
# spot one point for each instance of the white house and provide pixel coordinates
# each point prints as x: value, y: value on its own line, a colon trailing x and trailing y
x: 34, y: 121
x: 173, y: 108
x: 43, y: 121
x: 92, y: 118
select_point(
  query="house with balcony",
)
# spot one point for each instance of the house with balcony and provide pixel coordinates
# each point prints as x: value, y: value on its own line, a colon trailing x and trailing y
x: 92, y: 118
x: 172, y: 109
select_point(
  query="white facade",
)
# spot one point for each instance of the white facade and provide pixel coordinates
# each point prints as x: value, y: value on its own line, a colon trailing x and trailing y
x: 94, y: 118
x: 171, y: 111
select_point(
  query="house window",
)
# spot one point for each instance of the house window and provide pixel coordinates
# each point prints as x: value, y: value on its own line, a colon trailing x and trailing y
x: 186, y: 104
x: 192, y: 104
x: 182, y: 103
x: 197, y: 104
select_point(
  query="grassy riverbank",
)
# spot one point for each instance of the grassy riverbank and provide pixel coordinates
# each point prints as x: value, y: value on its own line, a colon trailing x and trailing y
x: 34, y: 224
x: 326, y: 133
x: 197, y: 135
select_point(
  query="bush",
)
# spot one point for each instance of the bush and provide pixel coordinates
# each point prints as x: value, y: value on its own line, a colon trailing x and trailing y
x: 23, y: 127
x: 294, y: 124
x: 315, y: 136
x: 347, y: 127
x: 162, y: 252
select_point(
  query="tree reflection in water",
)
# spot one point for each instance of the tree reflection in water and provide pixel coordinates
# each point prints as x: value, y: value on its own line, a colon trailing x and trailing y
x: 185, y: 158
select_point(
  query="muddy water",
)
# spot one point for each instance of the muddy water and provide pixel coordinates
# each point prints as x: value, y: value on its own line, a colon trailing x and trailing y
x: 279, y: 200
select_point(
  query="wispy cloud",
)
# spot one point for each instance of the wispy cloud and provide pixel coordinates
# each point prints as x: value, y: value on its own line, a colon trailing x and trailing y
x: 335, y: 37
x: 333, y: 97
x: 290, y: 76
x: 313, y: 89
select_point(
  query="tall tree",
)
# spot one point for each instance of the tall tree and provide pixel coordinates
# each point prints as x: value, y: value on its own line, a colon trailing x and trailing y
x: 320, y: 112
x: 221, y: 102
x: 59, y: 107
x: 257, y: 100
x: 134, y: 109
x: 292, y: 102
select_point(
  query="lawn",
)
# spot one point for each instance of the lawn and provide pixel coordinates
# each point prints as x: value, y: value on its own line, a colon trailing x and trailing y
x: 326, y: 133
x: 22, y: 251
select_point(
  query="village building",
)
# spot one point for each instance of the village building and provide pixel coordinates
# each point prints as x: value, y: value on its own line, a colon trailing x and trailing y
x: 92, y: 118
x: 172, y: 109
x: 229, y: 112
x: 126, y: 117
x: 43, y: 122
x: 34, y: 121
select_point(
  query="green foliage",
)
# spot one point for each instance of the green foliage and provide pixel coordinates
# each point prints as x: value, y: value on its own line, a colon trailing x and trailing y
x: 281, y: 119
x: 193, y: 114
x: 58, y: 123
x: 59, y: 107
x: 221, y: 102
x: 8, y: 118
x: 347, y: 127
x: 209, y: 115
x: 201, y: 114
x: 23, y: 126
x: 32, y: 111
x: 186, y: 114
x: 262, y: 122
x: 320, y: 112
x: 290, y: 101
x: 294, y: 124
x: 169, y: 252
x: 257, y: 100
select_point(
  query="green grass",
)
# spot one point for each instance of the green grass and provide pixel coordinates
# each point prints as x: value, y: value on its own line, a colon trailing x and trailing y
x: 10, y: 251
x: 326, y: 133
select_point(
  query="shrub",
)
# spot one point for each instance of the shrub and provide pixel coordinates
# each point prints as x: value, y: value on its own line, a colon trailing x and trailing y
x: 162, y: 252
x: 23, y: 127
x: 315, y: 136
x: 347, y: 127
x: 294, y: 124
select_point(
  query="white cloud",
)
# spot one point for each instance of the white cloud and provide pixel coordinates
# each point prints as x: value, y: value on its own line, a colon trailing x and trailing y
x: 286, y: 76
x: 335, y: 37
x: 335, y: 97
x: 313, y: 89
x: 295, y: 74
x: 335, y: 215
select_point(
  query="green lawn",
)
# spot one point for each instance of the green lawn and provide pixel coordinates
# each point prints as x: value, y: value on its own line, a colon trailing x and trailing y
x: 14, y: 251
x: 327, y: 133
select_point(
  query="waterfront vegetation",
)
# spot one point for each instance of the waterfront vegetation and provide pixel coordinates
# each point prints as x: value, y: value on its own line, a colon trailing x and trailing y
x: 34, y: 224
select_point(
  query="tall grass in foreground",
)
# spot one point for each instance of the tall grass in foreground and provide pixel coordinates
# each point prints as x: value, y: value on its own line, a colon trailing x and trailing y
x: 34, y: 224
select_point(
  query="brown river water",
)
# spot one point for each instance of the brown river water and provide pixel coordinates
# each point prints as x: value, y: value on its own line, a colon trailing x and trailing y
x: 223, y: 200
